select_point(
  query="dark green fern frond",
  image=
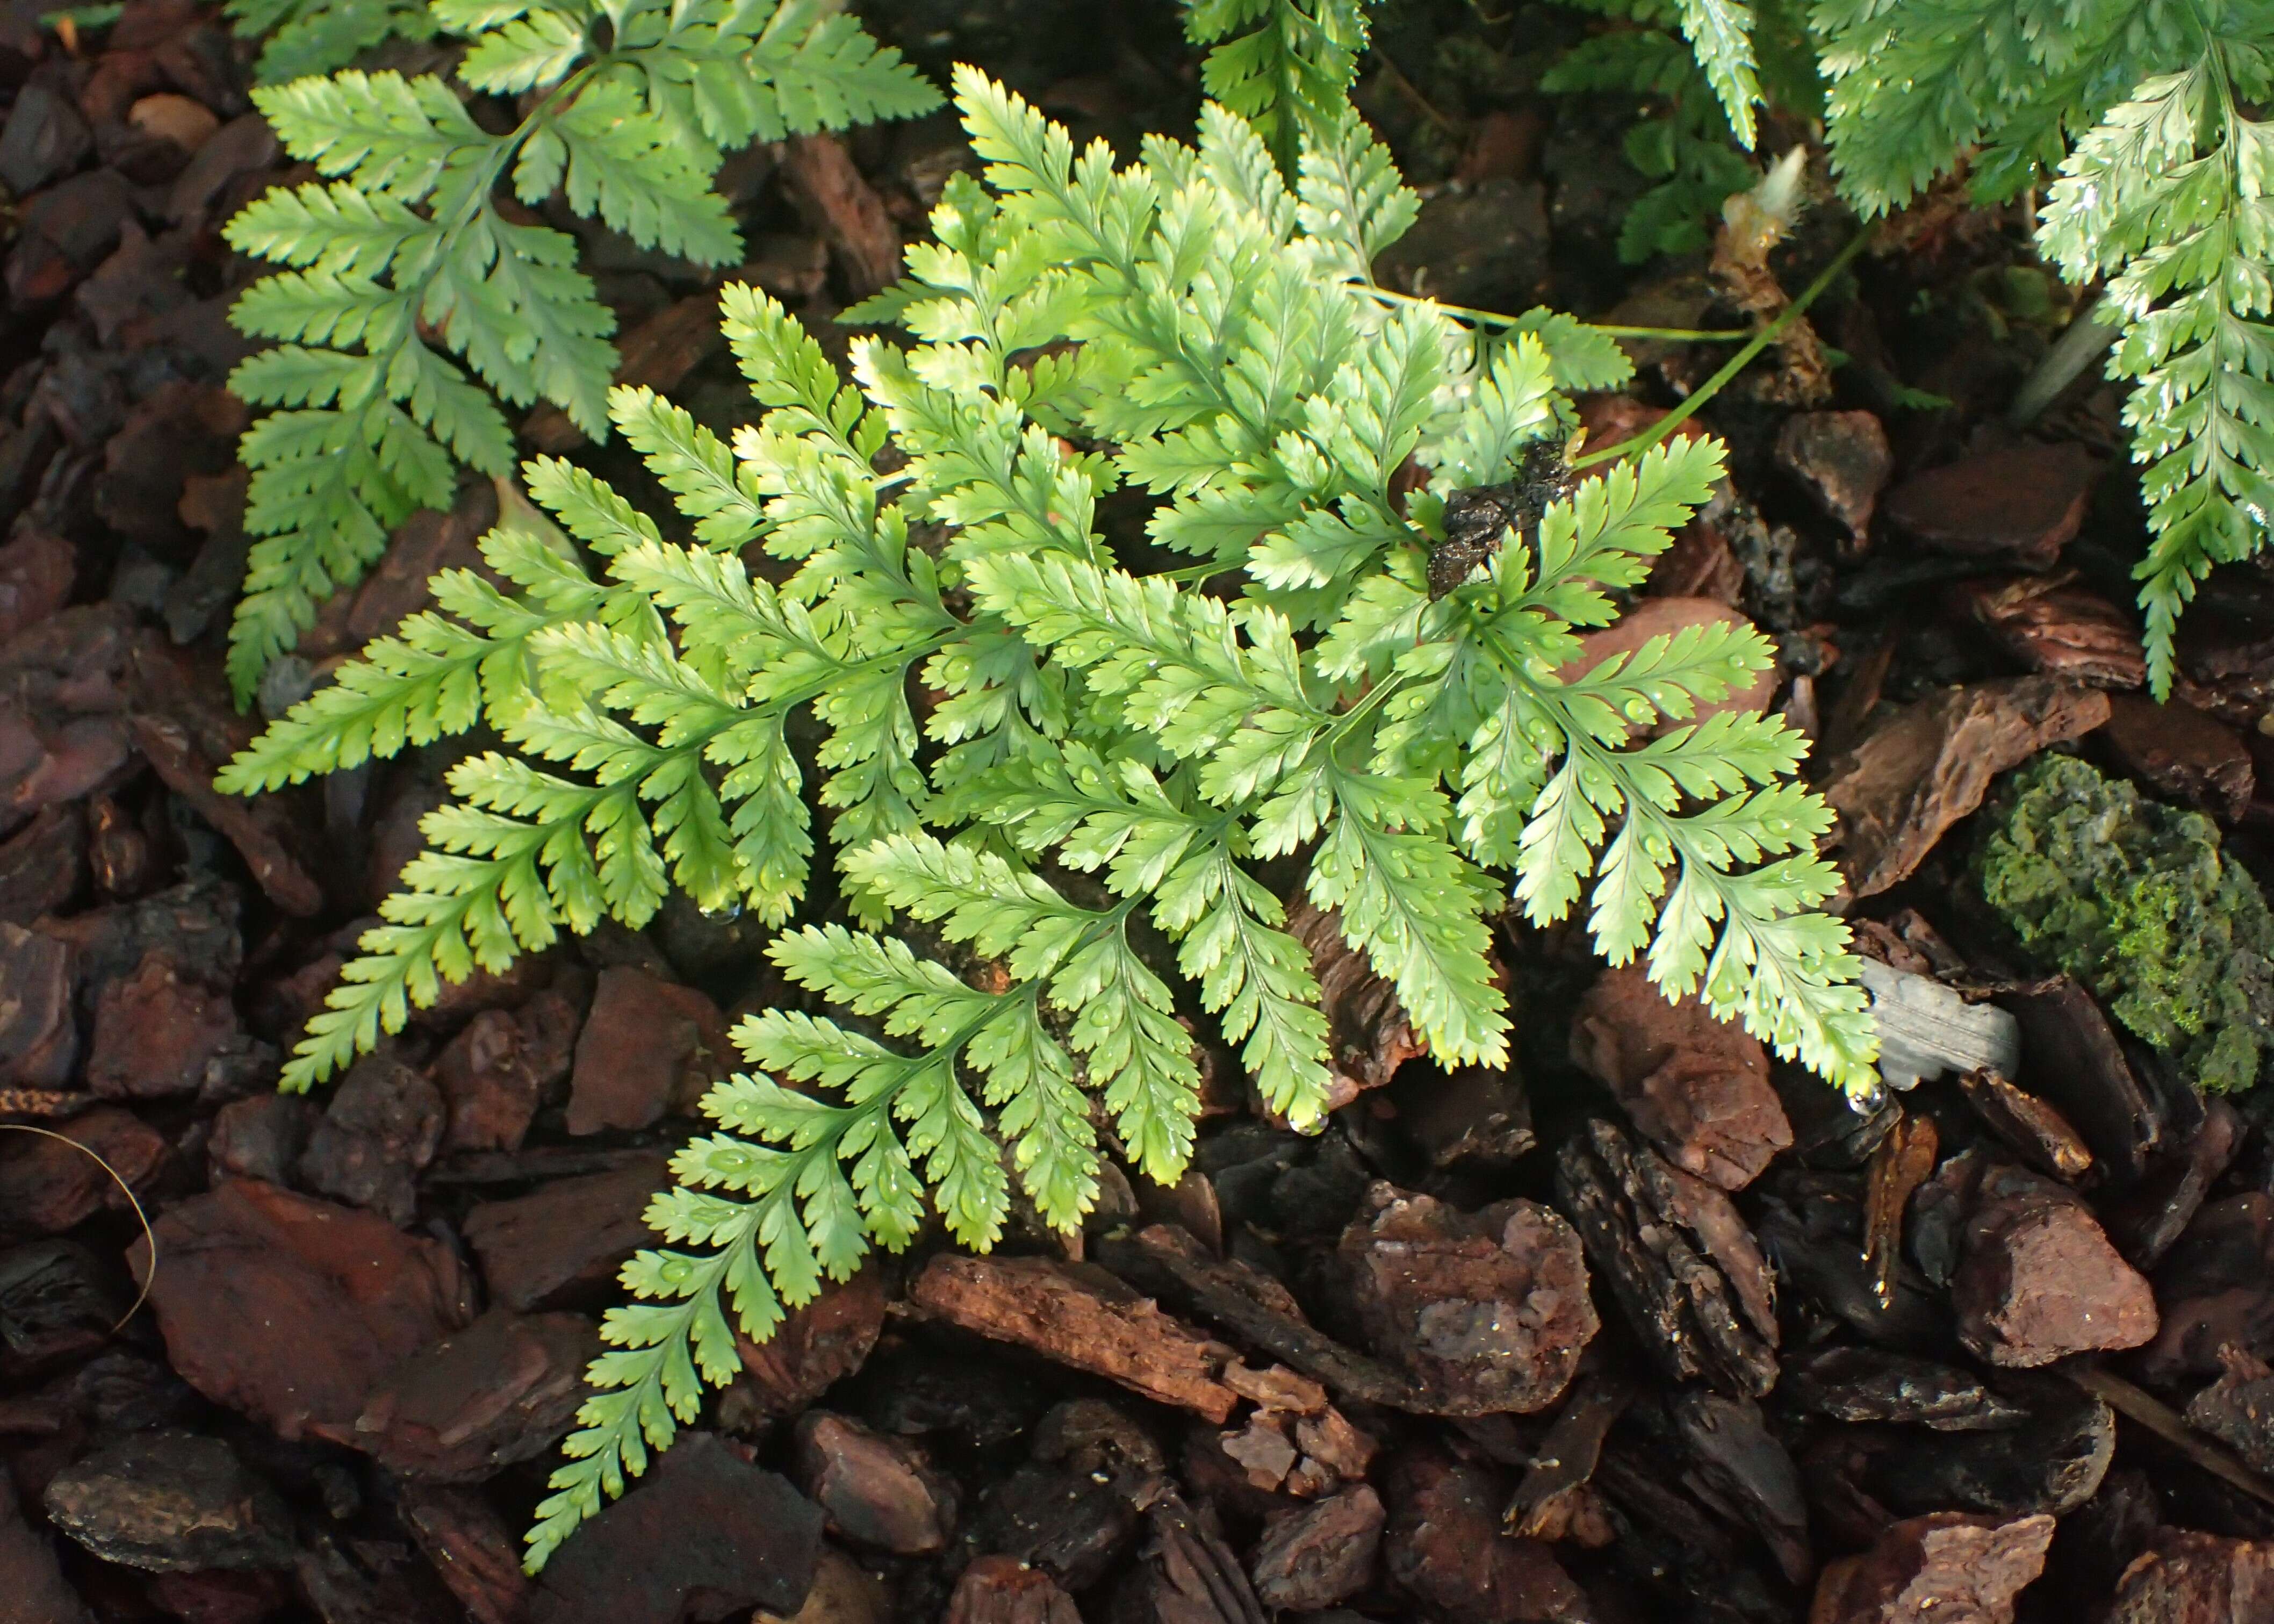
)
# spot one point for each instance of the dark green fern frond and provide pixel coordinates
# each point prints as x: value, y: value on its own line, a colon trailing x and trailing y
x: 410, y: 306
x: 1278, y: 63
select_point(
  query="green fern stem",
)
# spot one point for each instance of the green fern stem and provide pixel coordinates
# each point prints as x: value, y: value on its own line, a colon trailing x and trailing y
x: 1761, y: 340
x: 1494, y: 318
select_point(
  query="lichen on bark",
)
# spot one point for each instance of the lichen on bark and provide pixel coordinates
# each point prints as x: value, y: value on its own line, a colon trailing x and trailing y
x: 2136, y: 900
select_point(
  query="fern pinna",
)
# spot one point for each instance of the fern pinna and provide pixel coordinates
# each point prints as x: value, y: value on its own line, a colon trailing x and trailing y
x: 406, y: 272
x: 2149, y: 109
x: 1273, y: 61
x: 1701, y: 68
x: 1192, y: 327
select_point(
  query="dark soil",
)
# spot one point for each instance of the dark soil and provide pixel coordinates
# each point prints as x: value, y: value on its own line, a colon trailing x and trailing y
x: 1646, y: 1327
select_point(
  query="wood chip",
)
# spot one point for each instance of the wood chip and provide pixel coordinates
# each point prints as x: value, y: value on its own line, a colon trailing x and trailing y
x: 1082, y: 1317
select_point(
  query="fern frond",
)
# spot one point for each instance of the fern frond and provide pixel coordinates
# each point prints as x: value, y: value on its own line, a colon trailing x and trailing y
x: 999, y: 708
x: 1720, y: 32
x: 301, y: 37
x: 402, y: 276
x: 2167, y: 199
x: 1277, y: 62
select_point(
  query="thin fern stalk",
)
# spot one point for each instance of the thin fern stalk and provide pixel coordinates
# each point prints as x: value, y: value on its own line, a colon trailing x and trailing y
x: 1494, y: 318
x: 1768, y: 334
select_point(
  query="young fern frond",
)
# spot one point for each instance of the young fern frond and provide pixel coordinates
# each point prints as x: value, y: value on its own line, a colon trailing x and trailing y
x: 410, y: 310
x: 1102, y: 759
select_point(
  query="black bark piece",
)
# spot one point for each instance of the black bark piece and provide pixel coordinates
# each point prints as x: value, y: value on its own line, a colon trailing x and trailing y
x: 2075, y: 1061
x: 706, y: 1534
x: 2147, y: 1220
x: 1739, y: 1468
x: 44, y: 138
x: 2237, y: 1409
x: 1066, y: 1523
x: 1684, y: 1268
x: 2028, y: 1126
x: 1872, y: 1385
x: 1476, y: 1118
x: 979, y: 1402
x: 1828, y: 1130
x: 2213, y: 1290
x: 172, y: 1501
x: 2097, y: 1541
x: 1187, y: 1575
x: 2054, y: 1462
x: 1566, y: 1457
x: 1283, y: 1183
x: 1814, y: 1234
x: 58, y: 1301
x: 1480, y: 520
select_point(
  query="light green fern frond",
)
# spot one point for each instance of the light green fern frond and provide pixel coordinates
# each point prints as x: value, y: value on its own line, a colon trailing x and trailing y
x: 2169, y: 199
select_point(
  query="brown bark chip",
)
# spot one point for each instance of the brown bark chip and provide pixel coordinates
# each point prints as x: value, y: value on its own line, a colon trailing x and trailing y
x: 2040, y: 1280
x: 879, y: 1491
x: 290, y: 1309
x: 1445, y: 1548
x: 503, y: 1390
x: 1930, y: 764
x: 1083, y: 1316
x: 2023, y: 502
x: 645, y: 1044
x: 2189, y: 1578
x: 1945, y: 1567
x: 1001, y: 1590
x: 1696, y: 1087
x: 1487, y: 1312
x: 1321, y: 1555
x: 563, y: 1243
